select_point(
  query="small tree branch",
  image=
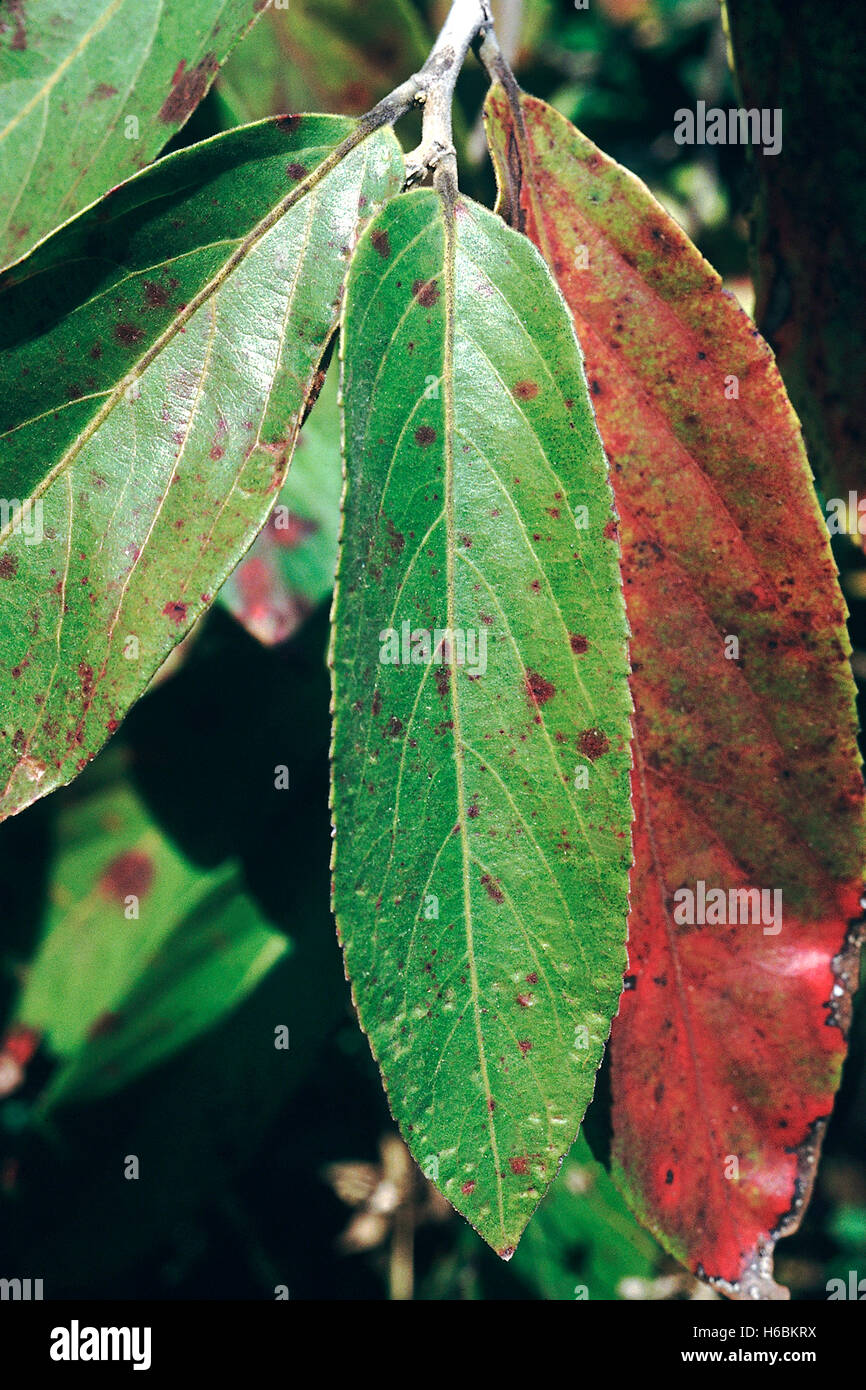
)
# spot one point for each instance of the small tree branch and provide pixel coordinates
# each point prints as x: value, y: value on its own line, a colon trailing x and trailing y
x: 438, y: 78
x: 433, y: 88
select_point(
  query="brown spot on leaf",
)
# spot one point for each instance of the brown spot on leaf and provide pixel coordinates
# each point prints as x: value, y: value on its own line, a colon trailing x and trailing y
x: 492, y: 889
x: 130, y: 873
x: 425, y: 435
x: 85, y: 675
x: 426, y: 292
x: 538, y: 690
x: 128, y: 334
x: 8, y: 566
x: 381, y: 242
x: 525, y: 390
x: 396, y: 539
x: 579, y: 644
x: 297, y: 171
x: 593, y: 744
x: 467, y: 1188
x: 519, y: 1166
x: 187, y: 89
x: 176, y: 611
x: 19, y: 38
x: 155, y: 295
x: 525, y: 1046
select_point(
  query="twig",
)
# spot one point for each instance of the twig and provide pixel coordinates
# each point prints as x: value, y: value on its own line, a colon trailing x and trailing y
x: 438, y: 78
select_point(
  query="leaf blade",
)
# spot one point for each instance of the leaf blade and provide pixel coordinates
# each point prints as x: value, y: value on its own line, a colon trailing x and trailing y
x: 479, y: 1058
x: 181, y: 388
x: 737, y: 782
x: 63, y: 134
x: 142, y: 951
x: 290, y: 567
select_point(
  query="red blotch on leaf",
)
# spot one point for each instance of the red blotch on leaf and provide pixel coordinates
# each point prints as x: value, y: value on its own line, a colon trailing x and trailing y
x: 129, y: 874
x: 538, y: 690
x: 176, y: 611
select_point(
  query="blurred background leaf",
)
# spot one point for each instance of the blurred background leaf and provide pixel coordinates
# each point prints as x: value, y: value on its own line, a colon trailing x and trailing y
x: 141, y: 952
x: 290, y: 567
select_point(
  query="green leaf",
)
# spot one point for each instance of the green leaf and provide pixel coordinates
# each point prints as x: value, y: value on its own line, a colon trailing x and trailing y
x: 583, y: 1242
x: 142, y: 950
x: 90, y: 92
x: 481, y: 805
x: 289, y: 568
x: 332, y: 55
x: 151, y: 407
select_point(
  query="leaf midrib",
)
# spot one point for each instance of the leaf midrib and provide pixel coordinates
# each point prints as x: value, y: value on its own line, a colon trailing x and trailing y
x: 450, y: 274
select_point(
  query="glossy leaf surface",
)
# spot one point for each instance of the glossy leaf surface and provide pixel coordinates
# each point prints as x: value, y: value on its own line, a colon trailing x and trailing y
x: 150, y: 408
x: 91, y: 91
x: 480, y: 796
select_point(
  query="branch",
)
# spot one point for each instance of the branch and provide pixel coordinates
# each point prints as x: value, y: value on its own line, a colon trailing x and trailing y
x: 438, y: 78
x: 433, y: 88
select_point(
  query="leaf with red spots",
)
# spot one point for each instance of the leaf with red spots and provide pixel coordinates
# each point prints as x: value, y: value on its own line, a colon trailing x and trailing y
x: 289, y: 568
x: 146, y: 435
x: 481, y: 855
x: 90, y: 93
x: 141, y: 950
x: 729, y: 1043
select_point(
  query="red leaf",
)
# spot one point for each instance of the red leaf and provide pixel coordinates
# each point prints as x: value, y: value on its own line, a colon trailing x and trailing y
x: 730, y: 1039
